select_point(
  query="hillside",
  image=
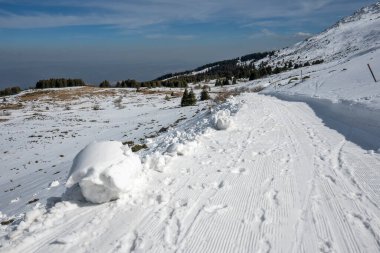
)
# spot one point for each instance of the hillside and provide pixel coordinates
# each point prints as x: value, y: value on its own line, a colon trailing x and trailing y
x: 353, y: 35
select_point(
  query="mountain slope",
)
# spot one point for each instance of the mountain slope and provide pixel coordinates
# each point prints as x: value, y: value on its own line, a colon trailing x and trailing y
x: 353, y: 35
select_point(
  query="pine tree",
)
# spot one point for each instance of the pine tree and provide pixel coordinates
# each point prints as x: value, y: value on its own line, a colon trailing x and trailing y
x: 184, y: 100
x: 104, y: 84
x: 192, y: 98
x: 204, y: 94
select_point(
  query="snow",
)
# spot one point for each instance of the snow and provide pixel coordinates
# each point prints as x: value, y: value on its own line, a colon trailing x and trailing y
x: 222, y: 120
x: 55, y: 183
x: 352, y: 36
x: 297, y: 172
x: 38, y: 144
x: 279, y: 179
x: 105, y: 170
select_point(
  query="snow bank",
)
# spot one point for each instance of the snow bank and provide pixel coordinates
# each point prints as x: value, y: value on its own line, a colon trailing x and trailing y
x: 105, y: 170
x: 359, y: 123
x: 222, y: 119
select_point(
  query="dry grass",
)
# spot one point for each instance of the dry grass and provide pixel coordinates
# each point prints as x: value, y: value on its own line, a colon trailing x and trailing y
x: 225, y: 93
x: 11, y: 106
x: 160, y: 92
x: 66, y: 94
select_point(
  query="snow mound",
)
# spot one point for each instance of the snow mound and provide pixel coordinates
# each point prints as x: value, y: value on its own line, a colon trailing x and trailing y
x: 182, y: 149
x: 156, y: 162
x: 55, y: 183
x: 222, y: 120
x: 105, y: 170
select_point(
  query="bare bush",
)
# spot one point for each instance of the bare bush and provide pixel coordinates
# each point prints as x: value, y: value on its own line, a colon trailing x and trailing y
x: 223, y: 95
x: 257, y: 89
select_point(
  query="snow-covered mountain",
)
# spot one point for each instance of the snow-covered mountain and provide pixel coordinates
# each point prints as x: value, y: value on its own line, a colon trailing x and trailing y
x: 352, y: 35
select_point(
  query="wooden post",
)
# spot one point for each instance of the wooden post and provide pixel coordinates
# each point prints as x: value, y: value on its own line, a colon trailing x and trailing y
x: 374, y: 78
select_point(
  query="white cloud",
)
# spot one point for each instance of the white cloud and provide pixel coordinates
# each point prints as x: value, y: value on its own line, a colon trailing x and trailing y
x: 169, y: 36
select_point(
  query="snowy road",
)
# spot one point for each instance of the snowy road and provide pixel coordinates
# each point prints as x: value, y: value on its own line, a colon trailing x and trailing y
x: 277, y: 181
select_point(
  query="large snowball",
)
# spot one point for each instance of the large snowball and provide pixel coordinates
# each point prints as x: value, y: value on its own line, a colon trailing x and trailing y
x: 104, y: 171
x: 222, y: 120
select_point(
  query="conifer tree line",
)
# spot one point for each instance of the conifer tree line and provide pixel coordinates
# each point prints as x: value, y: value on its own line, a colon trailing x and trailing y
x: 172, y: 83
x: 225, y: 72
x: 10, y: 91
x: 59, y: 83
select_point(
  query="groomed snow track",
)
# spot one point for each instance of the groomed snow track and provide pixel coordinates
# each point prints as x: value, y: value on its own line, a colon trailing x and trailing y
x: 277, y: 181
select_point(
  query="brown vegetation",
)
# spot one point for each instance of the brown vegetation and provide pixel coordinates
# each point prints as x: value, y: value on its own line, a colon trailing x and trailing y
x: 11, y: 106
x: 65, y: 94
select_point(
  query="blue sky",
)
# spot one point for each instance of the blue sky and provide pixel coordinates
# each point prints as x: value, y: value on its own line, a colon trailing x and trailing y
x: 114, y: 40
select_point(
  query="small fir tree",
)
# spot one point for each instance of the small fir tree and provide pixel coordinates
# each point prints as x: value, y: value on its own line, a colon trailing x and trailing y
x: 204, y: 94
x: 104, y: 84
x: 192, y: 98
x: 184, y: 99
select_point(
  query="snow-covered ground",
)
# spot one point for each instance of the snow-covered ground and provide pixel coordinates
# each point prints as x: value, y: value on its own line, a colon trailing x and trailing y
x: 277, y: 180
x: 40, y: 141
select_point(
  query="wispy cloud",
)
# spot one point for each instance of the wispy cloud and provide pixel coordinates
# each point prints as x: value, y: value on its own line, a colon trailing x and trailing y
x: 304, y: 34
x: 170, y: 36
x: 142, y: 13
x: 265, y: 34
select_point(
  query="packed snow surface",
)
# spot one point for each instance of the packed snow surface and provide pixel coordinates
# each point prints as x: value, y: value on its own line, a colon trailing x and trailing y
x: 105, y: 170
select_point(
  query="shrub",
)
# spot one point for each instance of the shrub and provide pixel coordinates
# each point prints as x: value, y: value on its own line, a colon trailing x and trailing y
x: 223, y: 95
x: 105, y: 84
x: 10, y: 91
x: 257, y: 89
x: 138, y: 147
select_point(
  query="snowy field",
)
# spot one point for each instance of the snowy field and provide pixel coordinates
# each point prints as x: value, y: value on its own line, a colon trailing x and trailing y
x: 40, y: 141
x: 276, y: 180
